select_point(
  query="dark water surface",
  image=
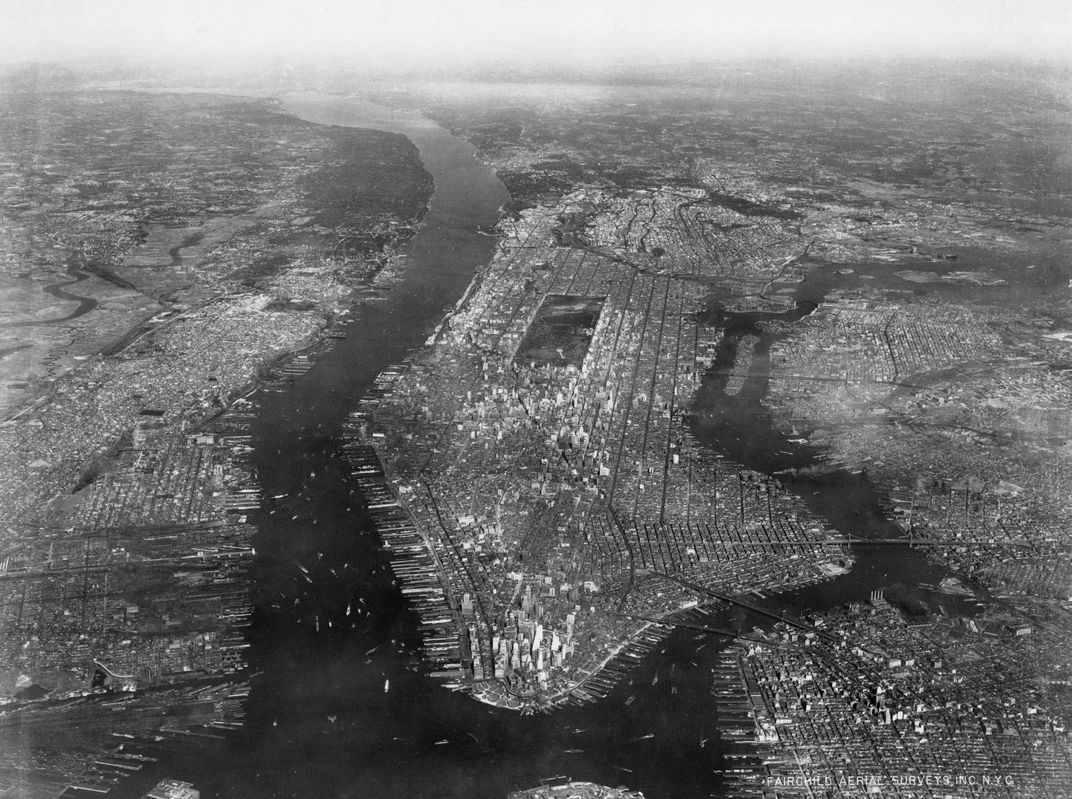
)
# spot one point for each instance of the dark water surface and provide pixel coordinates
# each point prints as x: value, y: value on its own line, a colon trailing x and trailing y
x: 739, y: 427
x: 337, y: 706
x: 57, y: 290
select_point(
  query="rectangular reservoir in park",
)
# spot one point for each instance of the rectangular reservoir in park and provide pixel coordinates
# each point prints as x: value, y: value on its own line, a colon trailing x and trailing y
x: 561, y: 331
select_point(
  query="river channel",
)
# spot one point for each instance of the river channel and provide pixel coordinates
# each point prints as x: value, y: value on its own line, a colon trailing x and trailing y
x: 338, y: 706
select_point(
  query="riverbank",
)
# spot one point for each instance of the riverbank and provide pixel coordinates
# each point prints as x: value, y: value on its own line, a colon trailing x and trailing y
x: 125, y: 487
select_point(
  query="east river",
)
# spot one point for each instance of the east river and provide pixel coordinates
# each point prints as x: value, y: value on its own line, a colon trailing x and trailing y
x: 338, y: 706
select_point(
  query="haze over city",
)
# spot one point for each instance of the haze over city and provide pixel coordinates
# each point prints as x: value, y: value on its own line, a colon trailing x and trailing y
x: 464, y: 32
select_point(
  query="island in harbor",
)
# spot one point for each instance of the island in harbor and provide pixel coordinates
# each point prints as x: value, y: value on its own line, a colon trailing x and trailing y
x: 576, y: 790
x: 564, y: 515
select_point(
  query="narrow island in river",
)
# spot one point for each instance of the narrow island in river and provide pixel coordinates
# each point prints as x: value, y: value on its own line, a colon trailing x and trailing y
x: 541, y: 445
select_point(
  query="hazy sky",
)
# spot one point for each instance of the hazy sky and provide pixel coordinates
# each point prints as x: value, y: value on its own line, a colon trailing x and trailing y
x: 555, y: 30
